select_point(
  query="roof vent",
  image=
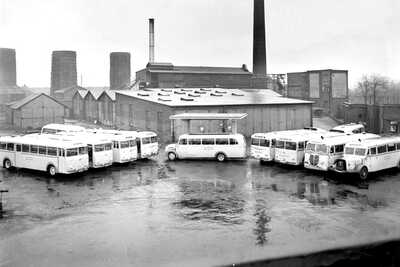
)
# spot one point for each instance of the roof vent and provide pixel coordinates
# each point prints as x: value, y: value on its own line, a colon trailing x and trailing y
x: 205, y: 89
x: 220, y: 92
x: 179, y: 93
x: 199, y: 92
x: 166, y: 90
x: 147, y: 90
x: 237, y: 94
x: 193, y: 95
x: 161, y: 94
x: 187, y: 99
x: 212, y: 94
x: 164, y: 99
x: 141, y: 94
x: 186, y: 90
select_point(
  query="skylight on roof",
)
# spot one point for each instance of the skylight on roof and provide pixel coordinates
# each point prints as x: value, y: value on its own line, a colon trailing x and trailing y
x: 187, y: 99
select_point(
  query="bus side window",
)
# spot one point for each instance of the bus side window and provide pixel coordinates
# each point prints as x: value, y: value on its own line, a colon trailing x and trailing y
x: 339, y: 148
x: 255, y: 141
x: 195, y: 141
x: 391, y: 147
x: 264, y: 142
x: 42, y: 150
x: 332, y: 150
x: 3, y: 146
x: 25, y: 148
x: 372, y: 151
x: 233, y: 141
x: 398, y: 146
x: 221, y: 141
x: 52, y: 151
x: 382, y: 149
x: 301, y: 146
x: 183, y: 141
x: 10, y: 147
x: 34, y: 149
x: 273, y: 142
x: 18, y: 147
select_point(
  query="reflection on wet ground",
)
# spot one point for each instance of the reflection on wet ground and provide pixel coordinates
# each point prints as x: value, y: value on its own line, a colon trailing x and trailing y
x: 191, y: 212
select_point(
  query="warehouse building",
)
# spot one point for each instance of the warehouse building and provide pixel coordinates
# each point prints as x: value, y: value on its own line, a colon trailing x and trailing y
x: 328, y: 89
x: 35, y: 110
x: 267, y: 111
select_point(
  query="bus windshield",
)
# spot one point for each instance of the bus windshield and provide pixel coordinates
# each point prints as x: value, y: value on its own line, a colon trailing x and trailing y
x: 279, y: 144
x: 360, y: 151
x: 290, y: 145
x: 310, y: 147
x: 321, y: 149
x: 349, y: 150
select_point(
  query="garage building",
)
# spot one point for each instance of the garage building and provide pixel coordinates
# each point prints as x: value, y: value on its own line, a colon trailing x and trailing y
x: 150, y: 109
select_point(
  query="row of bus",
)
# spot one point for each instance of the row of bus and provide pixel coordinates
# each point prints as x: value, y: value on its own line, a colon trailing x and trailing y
x: 360, y: 153
x: 345, y: 148
x: 67, y: 149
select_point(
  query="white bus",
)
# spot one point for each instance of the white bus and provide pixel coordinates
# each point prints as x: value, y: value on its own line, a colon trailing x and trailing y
x: 321, y: 154
x: 99, y: 147
x: 214, y: 146
x: 53, y: 128
x: 370, y: 155
x: 350, y: 128
x: 124, y: 144
x: 43, y: 153
x: 262, y: 145
x: 290, y: 148
x: 147, y: 144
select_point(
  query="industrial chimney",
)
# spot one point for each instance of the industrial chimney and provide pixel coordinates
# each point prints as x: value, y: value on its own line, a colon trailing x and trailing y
x: 259, y: 49
x: 63, y: 70
x: 120, y: 70
x: 151, y: 40
x: 8, y: 72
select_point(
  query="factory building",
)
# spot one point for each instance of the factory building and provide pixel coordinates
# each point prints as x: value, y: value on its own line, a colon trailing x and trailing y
x: 328, y: 89
x: 166, y: 75
x: 35, y: 110
x: 9, y: 91
x: 267, y: 111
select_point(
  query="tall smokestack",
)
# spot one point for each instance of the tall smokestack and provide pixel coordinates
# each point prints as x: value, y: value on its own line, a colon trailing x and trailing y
x: 63, y: 70
x: 8, y: 69
x: 151, y: 40
x: 259, y: 49
x: 120, y: 69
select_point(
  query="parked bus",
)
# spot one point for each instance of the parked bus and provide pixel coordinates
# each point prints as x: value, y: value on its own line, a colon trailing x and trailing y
x: 124, y: 144
x: 350, y: 128
x: 263, y: 144
x: 99, y: 147
x: 53, y: 128
x: 43, y: 153
x: 370, y: 155
x: 322, y: 153
x: 213, y: 146
x: 147, y: 144
x: 289, y: 148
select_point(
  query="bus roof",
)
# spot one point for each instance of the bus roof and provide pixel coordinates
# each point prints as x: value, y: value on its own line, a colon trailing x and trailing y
x: 347, y: 127
x: 342, y: 139
x: 289, y: 132
x: 42, y: 140
x: 209, y: 135
x: 299, y: 136
x: 64, y: 127
x: 146, y: 134
x: 375, y: 141
x: 115, y: 135
x: 85, y: 137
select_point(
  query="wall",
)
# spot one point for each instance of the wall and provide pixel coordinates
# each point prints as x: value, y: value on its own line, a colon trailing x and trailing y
x: 138, y: 114
x: 106, y: 110
x: 91, y: 108
x: 298, y: 85
x: 78, y: 108
x: 39, y: 112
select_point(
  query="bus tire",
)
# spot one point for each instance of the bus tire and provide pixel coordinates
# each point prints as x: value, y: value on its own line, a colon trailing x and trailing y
x: 363, y: 173
x: 7, y: 164
x: 221, y: 157
x: 171, y: 156
x: 51, y: 170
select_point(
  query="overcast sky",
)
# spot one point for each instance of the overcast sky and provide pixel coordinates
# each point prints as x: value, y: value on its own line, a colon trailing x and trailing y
x: 359, y: 35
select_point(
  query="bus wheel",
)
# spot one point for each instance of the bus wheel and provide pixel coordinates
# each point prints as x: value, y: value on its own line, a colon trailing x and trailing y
x: 171, y: 156
x: 51, y: 170
x: 364, y: 173
x: 7, y: 164
x: 221, y: 157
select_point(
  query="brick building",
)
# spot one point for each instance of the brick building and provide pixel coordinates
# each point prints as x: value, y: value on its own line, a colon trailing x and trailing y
x: 328, y: 89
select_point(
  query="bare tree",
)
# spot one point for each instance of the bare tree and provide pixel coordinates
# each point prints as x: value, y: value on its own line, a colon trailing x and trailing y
x: 371, y: 85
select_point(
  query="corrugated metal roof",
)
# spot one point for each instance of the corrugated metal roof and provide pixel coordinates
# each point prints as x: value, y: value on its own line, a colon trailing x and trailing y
x: 208, y: 116
x: 170, y: 68
x: 210, y: 97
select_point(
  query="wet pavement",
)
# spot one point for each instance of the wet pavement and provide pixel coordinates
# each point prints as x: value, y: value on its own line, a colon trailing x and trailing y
x: 197, y: 213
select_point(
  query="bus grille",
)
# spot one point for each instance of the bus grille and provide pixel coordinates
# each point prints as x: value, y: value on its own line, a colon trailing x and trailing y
x: 314, y: 159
